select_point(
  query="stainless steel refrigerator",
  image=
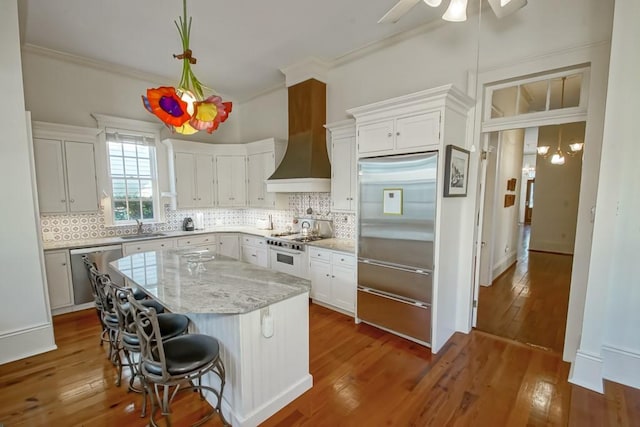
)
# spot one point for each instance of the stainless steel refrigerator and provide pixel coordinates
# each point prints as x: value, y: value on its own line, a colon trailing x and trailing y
x: 397, y: 205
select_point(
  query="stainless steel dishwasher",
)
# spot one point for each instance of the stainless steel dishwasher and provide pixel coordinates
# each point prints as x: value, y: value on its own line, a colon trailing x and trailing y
x: 101, y: 256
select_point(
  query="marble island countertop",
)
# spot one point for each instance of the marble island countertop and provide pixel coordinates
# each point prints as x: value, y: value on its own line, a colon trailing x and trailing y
x: 217, y: 284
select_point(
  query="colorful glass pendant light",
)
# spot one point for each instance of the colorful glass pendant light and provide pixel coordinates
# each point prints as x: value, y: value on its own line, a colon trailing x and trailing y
x: 185, y: 109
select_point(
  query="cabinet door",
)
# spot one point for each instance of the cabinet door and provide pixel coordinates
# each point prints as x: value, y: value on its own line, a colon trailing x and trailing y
x: 231, y: 179
x: 343, y: 287
x: 81, y: 176
x: 375, y: 137
x: 342, y: 174
x: 262, y: 257
x: 50, y: 175
x: 204, y: 181
x: 255, y: 176
x: 228, y: 245
x: 58, y: 278
x: 184, y: 165
x: 418, y: 131
x: 268, y: 167
x: 320, y: 281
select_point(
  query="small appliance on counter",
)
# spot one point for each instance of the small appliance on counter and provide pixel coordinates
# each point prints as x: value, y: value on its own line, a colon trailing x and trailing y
x: 198, y: 221
x: 187, y: 224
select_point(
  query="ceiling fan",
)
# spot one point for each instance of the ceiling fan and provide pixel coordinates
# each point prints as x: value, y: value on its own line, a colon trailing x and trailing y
x: 456, y: 12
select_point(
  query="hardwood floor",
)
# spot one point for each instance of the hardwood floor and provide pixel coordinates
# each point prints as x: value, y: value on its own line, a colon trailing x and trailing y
x: 529, y: 302
x: 362, y: 377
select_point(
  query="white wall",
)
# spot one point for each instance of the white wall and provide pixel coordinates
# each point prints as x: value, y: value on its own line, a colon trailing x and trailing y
x: 266, y: 117
x: 556, y: 193
x: 62, y: 91
x: 610, y: 343
x: 25, y: 322
x: 505, y: 229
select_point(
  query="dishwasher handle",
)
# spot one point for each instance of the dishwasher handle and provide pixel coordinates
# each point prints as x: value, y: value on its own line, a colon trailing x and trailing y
x: 82, y: 251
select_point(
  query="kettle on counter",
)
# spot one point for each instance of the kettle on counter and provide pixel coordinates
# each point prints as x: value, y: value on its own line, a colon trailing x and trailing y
x: 187, y: 224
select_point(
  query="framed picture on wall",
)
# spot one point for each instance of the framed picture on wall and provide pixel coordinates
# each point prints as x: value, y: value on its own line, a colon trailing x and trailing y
x: 456, y: 171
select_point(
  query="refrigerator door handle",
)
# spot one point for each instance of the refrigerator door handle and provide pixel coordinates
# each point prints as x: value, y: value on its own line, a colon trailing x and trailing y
x: 392, y: 297
x: 395, y: 266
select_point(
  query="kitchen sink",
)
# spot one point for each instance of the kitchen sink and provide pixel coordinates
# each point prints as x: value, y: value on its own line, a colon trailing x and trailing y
x: 142, y: 236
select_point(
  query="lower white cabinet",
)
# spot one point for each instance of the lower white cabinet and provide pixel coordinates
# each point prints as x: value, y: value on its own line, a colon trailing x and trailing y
x: 254, y: 251
x: 228, y: 245
x: 206, y: 242
x: 58, y: 266
x: 333, y: 278
x: 146, y: 246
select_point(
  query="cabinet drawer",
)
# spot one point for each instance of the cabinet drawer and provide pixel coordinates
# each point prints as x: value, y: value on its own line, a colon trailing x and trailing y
x: 158, y: 245
x: 196, y: 240
x: 319, y: 254
x: 338, y: 258
x: 253, y: 241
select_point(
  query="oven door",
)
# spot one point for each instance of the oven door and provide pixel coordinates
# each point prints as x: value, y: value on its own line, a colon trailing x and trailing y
x: 287, y: 261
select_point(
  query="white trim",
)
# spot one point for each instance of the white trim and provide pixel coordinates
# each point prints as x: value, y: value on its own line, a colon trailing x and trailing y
x: 621, y: 365
x: 309, y: 68
x: 547, y: 118
x: 120, y: 123
x: 503, y: 265
x: 299, y: 185
x: 342, y: 129
x: 65, y: 132
x: 586, y: 371
x: 28, y: 342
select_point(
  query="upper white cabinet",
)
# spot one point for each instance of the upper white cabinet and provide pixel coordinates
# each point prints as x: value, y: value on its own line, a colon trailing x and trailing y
x: 262, y: 159
x: 194, y: 180
x: 411, y: 123
x: 65, y: 168
x: 231, y: 180
x: 343, y: 166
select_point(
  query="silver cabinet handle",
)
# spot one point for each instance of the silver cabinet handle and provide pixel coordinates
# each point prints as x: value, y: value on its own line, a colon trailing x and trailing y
x: 389, y: 134
x: 63, y: 201
x: 64, y: 264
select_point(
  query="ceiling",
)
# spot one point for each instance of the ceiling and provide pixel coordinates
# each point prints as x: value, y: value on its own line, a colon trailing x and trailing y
x: 240, y: 45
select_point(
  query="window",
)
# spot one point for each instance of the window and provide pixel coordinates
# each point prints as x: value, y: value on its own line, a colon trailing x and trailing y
x: 132, y: 174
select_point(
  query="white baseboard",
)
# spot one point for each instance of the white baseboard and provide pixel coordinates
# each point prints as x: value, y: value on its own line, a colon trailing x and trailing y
x: 586, y: 371
x: 72, y: 308
x: 621, y: 365
x: 552, y: 246
x: 274, y: 405
x: 17, y: 345
x: 504, y: 264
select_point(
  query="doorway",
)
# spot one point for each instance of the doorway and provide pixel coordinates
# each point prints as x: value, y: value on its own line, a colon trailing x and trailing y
x: 526, y: 257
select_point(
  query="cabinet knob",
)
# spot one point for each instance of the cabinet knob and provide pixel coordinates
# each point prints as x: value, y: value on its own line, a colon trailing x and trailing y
x: 333, y: 277
x: 72, y: 201
x: 389, y: 134
x: 63, y: 201
x: 327, y: 275
x: 397, y: 133
x: 64, y: 264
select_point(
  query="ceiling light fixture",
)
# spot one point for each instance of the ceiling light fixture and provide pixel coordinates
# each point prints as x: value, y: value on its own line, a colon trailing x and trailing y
x: 185, y: 109
x: 558, y: 156
x: 456, y: 12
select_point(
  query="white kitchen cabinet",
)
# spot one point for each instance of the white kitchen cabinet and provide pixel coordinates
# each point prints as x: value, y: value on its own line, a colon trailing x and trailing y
x: 148, y: 245
x: 208, y: 242
x: 231, y: 181
x: 194, y: 180
x: 228, y: 245
x: 400, y: 134
x: 254, y: 251
x: 260, y: 166
x: 65, y: 175
x: 333, y: 279
x: 58, y: 267
x: 343, y: 166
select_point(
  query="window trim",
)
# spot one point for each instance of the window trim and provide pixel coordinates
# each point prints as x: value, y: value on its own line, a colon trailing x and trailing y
x: 159, y: 168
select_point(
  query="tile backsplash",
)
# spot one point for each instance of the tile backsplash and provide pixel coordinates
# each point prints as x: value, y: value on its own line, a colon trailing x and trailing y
x: 88, y: 226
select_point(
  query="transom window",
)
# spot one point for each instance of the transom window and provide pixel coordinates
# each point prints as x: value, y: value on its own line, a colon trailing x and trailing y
x: 132, y: 173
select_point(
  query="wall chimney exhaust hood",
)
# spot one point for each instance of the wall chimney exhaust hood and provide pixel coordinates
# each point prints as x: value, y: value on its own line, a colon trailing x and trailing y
x: 305, y: 166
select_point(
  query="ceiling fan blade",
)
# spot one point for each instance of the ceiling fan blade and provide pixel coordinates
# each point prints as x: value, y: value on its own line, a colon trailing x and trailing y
x: 501, y: 9
x: 398, y: 11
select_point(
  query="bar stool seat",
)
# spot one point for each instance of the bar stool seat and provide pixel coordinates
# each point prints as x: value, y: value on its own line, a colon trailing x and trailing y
x: 185, y: 354
x: 171, y: 326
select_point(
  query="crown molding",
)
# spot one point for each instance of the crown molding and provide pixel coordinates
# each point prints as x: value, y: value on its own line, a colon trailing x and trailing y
x: 308, y: 68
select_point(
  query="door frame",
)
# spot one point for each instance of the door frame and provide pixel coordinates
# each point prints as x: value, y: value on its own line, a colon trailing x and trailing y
x: 596, y: 56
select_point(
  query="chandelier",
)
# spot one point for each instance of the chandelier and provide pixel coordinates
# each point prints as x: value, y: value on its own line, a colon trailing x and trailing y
x: 185, y: 109
x: 558, y: 156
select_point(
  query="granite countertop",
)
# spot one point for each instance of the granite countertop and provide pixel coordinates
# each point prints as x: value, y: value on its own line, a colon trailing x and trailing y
x: 115, y: 240
x: 343, y: 245
x: 217, y: 285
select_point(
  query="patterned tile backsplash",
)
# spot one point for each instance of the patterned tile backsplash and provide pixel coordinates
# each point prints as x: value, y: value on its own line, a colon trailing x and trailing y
x: 87, y: 226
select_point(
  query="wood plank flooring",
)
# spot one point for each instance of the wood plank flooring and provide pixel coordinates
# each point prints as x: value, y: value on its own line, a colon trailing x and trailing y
x: 529, y: 302
x: 362, y: 377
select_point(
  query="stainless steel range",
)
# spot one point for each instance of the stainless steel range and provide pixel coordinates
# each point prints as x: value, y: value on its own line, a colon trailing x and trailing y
x: 288, y: 249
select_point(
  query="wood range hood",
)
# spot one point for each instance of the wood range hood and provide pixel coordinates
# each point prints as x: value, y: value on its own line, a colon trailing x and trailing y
x: 305, y: 166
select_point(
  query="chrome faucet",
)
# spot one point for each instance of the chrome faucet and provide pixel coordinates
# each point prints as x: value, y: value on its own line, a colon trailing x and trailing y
x: 139, y: 226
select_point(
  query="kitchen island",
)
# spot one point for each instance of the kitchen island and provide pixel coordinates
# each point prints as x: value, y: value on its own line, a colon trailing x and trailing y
x: 259, y: 316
